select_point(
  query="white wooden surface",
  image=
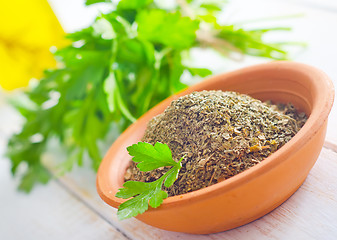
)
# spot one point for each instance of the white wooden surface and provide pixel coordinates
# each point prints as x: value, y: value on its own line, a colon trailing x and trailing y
x: 69, y: 208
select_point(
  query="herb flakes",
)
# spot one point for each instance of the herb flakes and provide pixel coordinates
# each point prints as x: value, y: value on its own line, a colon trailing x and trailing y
x: 220, y: 134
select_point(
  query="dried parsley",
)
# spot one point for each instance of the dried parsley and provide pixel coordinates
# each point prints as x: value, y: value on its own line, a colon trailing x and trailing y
x: 220, y: 134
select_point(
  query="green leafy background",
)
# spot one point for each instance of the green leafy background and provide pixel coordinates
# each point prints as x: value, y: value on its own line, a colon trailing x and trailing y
x: 115, y: 70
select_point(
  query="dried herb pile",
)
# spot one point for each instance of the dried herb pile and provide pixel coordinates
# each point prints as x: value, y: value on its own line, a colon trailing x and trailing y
x: 220, y: 133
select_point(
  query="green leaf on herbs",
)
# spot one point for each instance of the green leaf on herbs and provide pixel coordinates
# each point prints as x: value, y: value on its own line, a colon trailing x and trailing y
x: 143, y: 194
x: 151, y: 157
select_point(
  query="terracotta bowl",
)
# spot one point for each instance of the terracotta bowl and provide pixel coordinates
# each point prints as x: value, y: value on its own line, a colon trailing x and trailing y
x: 256, y: 191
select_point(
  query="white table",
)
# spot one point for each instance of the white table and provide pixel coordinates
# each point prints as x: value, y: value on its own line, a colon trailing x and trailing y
x: 69, y: 207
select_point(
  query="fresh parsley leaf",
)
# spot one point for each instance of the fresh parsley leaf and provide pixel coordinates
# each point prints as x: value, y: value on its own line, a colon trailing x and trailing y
x: 202, y: 72
x: 90, y: 2
x: 169, y: 29
x: 251, y: 43
x: 211, y: 6
x: 151, y: 157
x: 172, y: 177
x: 147, y: 193
x: 133, y: 4
x: 36, y: 173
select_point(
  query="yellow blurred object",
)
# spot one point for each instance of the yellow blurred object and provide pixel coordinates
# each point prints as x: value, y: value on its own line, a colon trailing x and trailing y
x: 27, y: 31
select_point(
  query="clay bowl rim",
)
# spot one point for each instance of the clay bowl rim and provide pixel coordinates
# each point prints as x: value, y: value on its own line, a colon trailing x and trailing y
x: 319, y: 113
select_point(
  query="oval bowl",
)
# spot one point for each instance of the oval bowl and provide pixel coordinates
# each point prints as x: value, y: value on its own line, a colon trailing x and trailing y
x: 256, y: 191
